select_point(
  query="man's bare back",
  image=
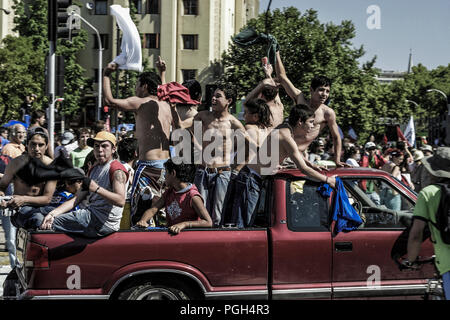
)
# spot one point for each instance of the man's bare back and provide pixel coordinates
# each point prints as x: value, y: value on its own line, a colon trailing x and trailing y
x: 153, y: 120
x: 153, y: 117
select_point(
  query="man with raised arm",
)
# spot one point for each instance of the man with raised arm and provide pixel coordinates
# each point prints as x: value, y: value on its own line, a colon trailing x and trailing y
x: 267, y: 90
x: 285, y: 142
x: 153, y: 121
x: 323, y: 115
x: 218, y: 130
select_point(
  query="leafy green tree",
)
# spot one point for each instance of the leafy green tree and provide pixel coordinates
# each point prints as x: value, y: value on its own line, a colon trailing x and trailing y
x: 309, y: 47
x: 19, y: 66
x: 26, y: 57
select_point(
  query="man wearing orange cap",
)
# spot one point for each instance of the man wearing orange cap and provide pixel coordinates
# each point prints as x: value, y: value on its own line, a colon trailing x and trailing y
x: 104, y: 189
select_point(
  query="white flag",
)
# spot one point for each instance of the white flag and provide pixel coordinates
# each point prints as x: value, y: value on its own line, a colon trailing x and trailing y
x: 410, y: 132
x: 130, y: 57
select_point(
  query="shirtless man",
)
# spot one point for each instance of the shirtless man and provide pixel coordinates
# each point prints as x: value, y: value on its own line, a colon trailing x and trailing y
x: 15, y: 147
x: 28, y: 195
x: 213, y: 175
x: 153, y: 120
x: 268, y: 91
x: 289, y: 136
x: 324, y: 115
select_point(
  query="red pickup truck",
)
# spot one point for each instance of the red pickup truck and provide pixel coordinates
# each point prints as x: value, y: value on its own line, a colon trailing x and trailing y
x: 290, y: 253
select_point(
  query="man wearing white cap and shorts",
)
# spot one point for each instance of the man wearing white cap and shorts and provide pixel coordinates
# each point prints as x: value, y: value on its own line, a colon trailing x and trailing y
x: 104, y: 189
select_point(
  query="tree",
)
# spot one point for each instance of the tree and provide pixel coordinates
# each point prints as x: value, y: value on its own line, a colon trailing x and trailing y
x: 25, y: 58
x: 19, y: 66
x: 309, y: 47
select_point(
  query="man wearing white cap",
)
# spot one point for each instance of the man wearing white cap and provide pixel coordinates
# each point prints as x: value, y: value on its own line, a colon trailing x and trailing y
x: 104, y: 190
x: 427, y: 150
x: 68, y: 144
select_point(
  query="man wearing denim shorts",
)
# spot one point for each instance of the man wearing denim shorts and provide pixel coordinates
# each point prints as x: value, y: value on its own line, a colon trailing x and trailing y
x: 153, y: 121
x: 213, y: 174
x: 105, y: 191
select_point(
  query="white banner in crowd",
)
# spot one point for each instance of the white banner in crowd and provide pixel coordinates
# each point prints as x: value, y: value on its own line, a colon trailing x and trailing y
x: 410, y: 132
x: 130, y: 57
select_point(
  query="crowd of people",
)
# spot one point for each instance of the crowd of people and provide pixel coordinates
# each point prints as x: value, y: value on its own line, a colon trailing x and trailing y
x: 84, y: 184
x: 404, y: 162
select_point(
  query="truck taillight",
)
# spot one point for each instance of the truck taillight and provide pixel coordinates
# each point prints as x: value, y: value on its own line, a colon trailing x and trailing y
x: 36, y: 256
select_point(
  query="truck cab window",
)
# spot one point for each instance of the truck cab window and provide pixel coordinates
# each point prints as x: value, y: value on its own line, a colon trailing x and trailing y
x: 380, y: 204
x: 306, y: 209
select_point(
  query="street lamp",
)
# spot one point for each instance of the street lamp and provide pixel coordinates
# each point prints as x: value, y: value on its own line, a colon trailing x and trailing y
x: 6, y: 11
x: 100, y: 60
x: 413, y: 102
x: 444, y: 95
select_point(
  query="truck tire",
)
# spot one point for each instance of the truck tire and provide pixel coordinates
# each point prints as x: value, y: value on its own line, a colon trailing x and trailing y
x: 153, y: 291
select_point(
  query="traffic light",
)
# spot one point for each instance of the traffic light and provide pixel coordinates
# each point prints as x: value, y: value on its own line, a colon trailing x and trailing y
x: 58, y: 19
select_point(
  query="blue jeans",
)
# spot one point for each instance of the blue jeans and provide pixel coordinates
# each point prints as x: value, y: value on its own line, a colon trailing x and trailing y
x: 245, y: 192
x: 10, y: 230
x: 81, y: 222
x: 29, y: 217
x: 213, y: 189
x: 10, y: 238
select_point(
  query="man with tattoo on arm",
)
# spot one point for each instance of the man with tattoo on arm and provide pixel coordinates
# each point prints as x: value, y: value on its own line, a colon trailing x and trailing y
x: 104, y: 189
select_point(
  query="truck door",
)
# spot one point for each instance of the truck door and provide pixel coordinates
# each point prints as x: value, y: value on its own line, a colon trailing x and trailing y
x: 362, y: 263
x: 301, y: 242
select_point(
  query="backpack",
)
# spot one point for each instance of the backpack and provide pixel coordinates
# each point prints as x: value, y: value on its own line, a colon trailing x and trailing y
x: 443, y: 213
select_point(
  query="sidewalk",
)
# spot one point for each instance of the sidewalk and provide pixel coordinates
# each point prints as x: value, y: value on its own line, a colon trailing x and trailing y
x: 4, y: 270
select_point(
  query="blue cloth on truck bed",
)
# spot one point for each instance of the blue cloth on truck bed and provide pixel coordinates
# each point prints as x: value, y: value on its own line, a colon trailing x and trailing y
x: 346, y: 217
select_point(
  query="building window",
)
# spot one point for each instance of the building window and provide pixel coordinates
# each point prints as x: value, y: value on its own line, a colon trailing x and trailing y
x: 190, y: 7
x: 151, y: 41
x: 153, y: 6
x: 105, y: 41
x: 101, y: 7
x: 188, y: 74
x: 138, y: 6
x: 190, y: 41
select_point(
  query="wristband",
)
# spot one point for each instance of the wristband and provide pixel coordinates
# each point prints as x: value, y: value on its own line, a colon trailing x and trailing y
x: 97, y: 189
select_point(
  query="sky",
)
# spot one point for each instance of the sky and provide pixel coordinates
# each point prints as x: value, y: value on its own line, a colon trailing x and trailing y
x: 388, y: 29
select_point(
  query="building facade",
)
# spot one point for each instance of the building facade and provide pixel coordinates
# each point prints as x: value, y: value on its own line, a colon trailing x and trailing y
x: 6, y: 18
x: 190, y: 35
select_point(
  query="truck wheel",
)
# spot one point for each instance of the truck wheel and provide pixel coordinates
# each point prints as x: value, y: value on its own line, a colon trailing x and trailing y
x: 152, y: 291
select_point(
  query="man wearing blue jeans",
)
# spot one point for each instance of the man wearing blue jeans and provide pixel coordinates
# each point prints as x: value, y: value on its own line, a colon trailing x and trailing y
x: 425, y: 212
x: 26, y: 173
x: 104, y: 190
x: 218, y: 127
x: 212, y: 183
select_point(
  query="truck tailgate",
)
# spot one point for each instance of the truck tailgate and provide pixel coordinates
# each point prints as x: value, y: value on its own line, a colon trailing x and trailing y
x: 224, y: 257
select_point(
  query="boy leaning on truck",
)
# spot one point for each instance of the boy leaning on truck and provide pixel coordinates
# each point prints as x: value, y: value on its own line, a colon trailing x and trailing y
x: 105, y: 191
x: 184, y: 204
